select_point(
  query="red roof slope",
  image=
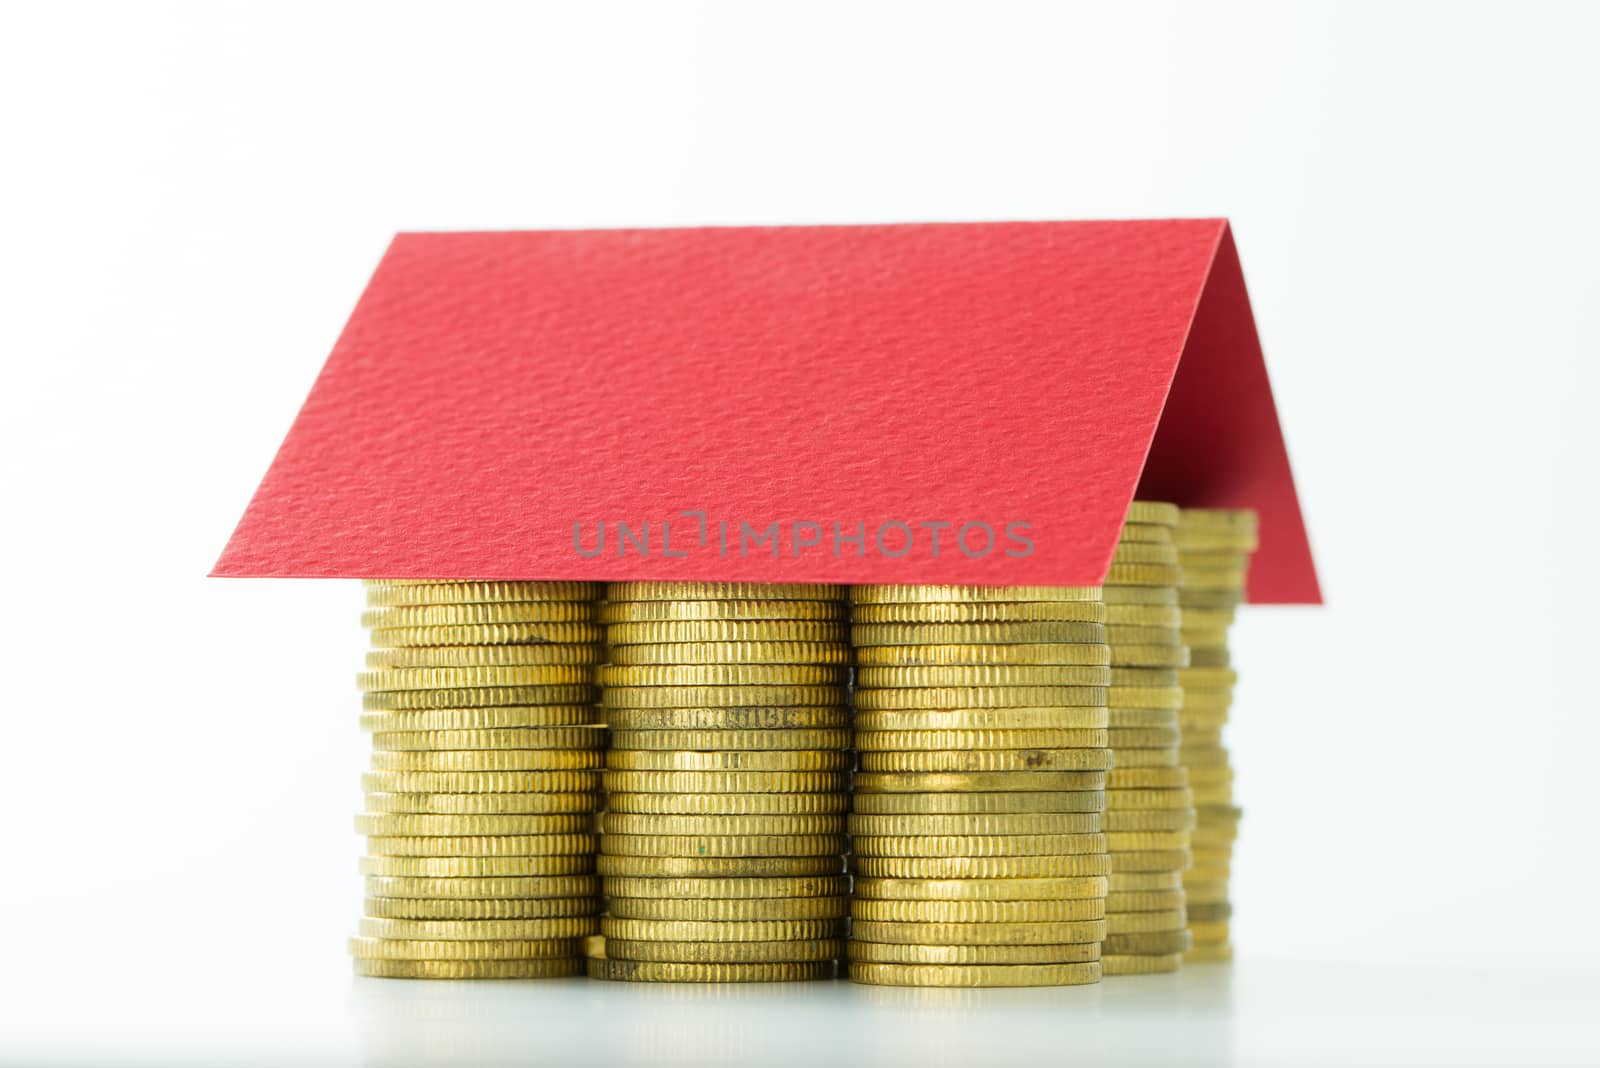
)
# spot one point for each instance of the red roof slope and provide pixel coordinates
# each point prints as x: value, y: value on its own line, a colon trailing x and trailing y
x: 965, y: 403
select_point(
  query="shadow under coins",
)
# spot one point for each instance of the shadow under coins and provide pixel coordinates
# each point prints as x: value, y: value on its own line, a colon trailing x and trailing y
x: 1175, y: 1019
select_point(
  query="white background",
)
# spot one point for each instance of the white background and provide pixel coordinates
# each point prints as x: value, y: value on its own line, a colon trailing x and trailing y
x: 192, y: 196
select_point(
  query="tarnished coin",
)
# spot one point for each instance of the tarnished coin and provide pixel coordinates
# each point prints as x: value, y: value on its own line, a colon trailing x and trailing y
x: 983, y: 760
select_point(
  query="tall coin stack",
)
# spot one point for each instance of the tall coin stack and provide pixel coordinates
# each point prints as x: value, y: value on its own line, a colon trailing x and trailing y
x: 1214, y: 549
x: 485, y: 779
x: 1149, y: 808
x: 981, y: 715
x: 728, y: 782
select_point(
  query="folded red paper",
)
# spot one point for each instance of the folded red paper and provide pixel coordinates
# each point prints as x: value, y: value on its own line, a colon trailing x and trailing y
x: 970, y: 403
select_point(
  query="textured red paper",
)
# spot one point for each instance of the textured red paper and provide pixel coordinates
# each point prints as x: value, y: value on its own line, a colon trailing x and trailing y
x: 493, y: 390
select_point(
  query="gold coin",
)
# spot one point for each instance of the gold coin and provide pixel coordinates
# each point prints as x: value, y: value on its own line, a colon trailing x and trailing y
x: 469, y: 969
x: 1144, y: 697
x: 1089, y: 886
x: 685, y: 631
x: 1124, y: 634
x: 729, y: 760
x: 369, y: 948
x: 1136, y: 614
x: 1139, y: 718
x: 946, y: 594
x: 978, y: 845
x: 1144, y: 900
x: 479, y: 615
x: 1021, y: 760
x: 981, y: 697
x: 535, y: 634
x: 718, y: 867
x: 505, y: 717
x: 1203, y: 541
x: 1214, y: 558
x: 1167, y: 515
x: 1151, y: 656
x: 413, y: 908
x: 987, y: 934
x: 889, y: 953
x: 1133, y: 964
x: 679, y: 972
x: 946, y: 656
x: 975, y: 975
x: 864, y: 635
x: 1217, y: 619
x: 459, y: 656
x: 669, y: 610
x: 1154, y: 860
x: 725, y: 845
x: 1123, y: 882
x: 1218, y: 520
x: 483, y: 889
x: 500, y: 845
x: 1202, y: 719
x: 732, y: 888
x: 983, y: 675
x: 916, y: 782
x: 518, y: 867
x: 1088, y: 908
x: 461, y: 677
x: 753, y: 718
x: 731, y: 804
x: 483, y: 804
x: 1191, y: 597
x: 714, y: 740
x: 1210, y: 776
x: 487, y: 760
x: 477, y: 697
x: 1213, y: 578
x: 753, y: 653
x: 1148, y: 779
x: 911, y: 740
x: 930, y: 721
x: 980, y: 802
x: 1163, y: 941
x: 473, y: 782
x: 1145, y: 552
x: 1138, y: 594
x: 1045, y: 867
x: 1143, y: 575
x: 724, y: 931
x: 1079, y: 618
x: 1151, y: 677
x: 1209, y: 678
x: 685, y: 675
x: 407, y: 824
x: 615, y: 697
x: 1209, y: 658
x: 976, y: 823
x: 649, y: 823
x: 478, y: 930
x: 1143, y: 737
x: 459, y: 591
x: 1157, y: 819
x: 722, y: 910
x: 723, y: 591
x: 726, y: 782
x: 1147, y: 758
x: 811, y: 949
x: 1211, y: 913
x: 1145, y: 533
x: 1205, y: 932
x: 1200, y: 758
x: 585, y: 737
x: 1208, y: 954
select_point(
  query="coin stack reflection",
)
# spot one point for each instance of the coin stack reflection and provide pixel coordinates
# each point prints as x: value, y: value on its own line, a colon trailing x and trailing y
x: 728, y: 782
x: 1149, y: 809
x: 1214, y: 548
x: 981, y: 721
x: 485, y: 779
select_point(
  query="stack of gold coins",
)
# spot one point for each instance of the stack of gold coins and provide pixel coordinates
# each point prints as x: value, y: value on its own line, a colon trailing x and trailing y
x: 981, y: 715
x: 485, y: 779
x: 1214, y: 550
x: 1149, y: 808
x: 728, y: 780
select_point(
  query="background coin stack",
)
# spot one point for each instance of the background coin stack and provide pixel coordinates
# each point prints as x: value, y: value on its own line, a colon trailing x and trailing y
x: 728, y: 782
x: 1149, y: 809
x: 981, y: 728
x: 484, y: 782
x: 1214, y: 550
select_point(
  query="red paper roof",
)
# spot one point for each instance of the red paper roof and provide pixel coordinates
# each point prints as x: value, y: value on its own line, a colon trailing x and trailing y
x: 495, y: 395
